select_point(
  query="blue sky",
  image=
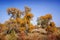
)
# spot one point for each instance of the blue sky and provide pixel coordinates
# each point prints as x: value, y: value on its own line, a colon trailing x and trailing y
x: 38, y: 7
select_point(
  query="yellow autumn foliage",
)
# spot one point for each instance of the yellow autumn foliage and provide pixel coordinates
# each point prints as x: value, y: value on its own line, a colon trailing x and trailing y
x: 23, y: 24
x: 22, y: 28
x: 31, y: 15
x: 11, y: 10
x: 28, y: 16
x: 52, y: 27
x: 31, y: 27
x: 13, y: 20
x: 3, y: 27
x: 42, y: 17
x: 52, y: 24
x: 27, y: 9
x: 18, y: 20
x: 49, y: 16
